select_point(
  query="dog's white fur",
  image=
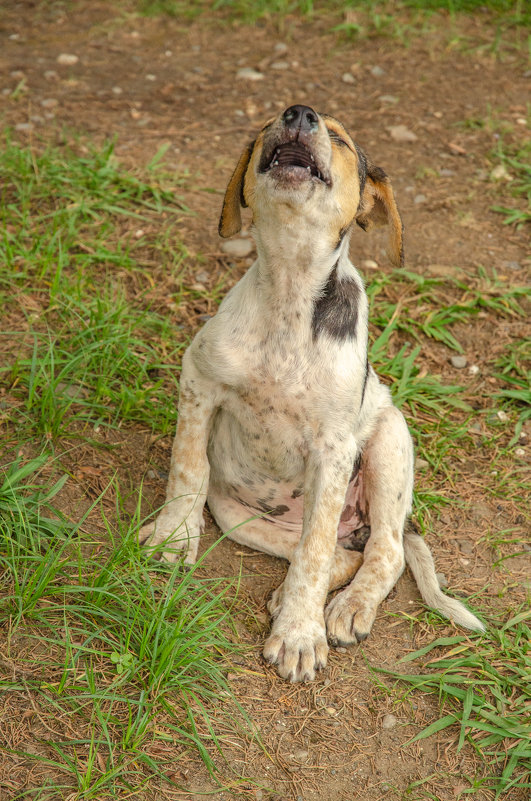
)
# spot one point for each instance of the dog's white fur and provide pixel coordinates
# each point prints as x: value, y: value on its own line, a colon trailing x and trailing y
x: 283, y: 427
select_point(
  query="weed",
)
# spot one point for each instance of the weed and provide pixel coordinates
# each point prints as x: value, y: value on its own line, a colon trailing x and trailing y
x: 516, y: 374
x: 84, y: 613
x: 517, y: 161
x: 86, y: 354
x: 484, y: 682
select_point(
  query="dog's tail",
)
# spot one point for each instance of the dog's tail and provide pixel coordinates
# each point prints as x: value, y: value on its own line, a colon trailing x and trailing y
x: 420, y: 561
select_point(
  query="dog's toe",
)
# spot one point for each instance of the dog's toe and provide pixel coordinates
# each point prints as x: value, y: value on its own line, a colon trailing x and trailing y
x: 348, y: 620
x: 297, y: 656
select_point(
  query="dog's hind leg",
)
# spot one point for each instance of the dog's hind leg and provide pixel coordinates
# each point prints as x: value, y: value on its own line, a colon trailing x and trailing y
x: 387, y: 465
x: 275, y: 539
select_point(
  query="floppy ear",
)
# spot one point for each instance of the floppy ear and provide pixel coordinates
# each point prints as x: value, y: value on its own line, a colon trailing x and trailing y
x: 378, y: 207
x: 230, y: 221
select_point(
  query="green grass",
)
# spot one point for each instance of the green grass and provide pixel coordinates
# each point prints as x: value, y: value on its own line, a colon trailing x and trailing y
x: 123, y: 663
x: 411, y: 307
x: 118, y: 658
x: 70, y: 246
x: 516, y: 160
x: 381, y: 15
x: 484, y: 686
x: 514, y: 370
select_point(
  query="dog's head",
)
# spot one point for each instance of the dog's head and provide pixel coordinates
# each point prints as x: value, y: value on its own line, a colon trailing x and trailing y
x: 307, y: 164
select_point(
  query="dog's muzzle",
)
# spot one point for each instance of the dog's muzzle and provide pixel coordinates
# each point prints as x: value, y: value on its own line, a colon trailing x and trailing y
x: 291, y: 154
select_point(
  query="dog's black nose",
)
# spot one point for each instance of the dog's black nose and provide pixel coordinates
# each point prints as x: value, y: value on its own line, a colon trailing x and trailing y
x: 302, y: 117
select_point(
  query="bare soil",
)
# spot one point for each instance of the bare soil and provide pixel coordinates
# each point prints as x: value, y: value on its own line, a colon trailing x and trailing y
x: 151, y: 81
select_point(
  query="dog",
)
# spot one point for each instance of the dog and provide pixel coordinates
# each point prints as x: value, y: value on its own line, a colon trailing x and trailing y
x: 284, y: 428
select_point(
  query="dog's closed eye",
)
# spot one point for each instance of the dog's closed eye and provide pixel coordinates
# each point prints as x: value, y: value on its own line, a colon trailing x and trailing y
x: 337, y: 139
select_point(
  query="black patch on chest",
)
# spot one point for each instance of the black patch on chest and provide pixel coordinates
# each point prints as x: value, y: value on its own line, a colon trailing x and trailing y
x: 336, y: 312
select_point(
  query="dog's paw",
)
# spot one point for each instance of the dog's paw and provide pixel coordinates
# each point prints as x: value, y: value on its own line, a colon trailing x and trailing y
x: 274, y: 605
x: 298, y: 649
x: 170, y: 543
x: 349, y: 618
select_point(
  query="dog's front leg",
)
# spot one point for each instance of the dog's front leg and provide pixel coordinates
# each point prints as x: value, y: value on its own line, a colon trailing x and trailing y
x: 297, y: 643
x: 179, y: 525
x: 387, y: 465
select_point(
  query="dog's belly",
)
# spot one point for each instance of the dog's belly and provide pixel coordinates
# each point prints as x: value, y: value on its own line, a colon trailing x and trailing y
x: 266, y: 476
x: 283, y: 504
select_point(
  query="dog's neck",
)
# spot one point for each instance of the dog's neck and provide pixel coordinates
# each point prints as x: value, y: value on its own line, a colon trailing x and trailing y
x: 294, y: 264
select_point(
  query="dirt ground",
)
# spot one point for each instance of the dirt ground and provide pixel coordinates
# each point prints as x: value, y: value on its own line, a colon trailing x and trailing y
x: 151, y: 81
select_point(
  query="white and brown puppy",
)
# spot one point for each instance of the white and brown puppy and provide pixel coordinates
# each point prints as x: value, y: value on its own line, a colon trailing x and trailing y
x: 284, y: 428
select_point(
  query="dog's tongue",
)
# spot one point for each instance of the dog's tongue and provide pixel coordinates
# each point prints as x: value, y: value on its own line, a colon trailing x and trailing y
x: 293, y: 155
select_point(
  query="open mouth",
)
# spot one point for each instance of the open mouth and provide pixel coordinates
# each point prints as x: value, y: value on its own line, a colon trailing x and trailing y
x: 293, y: 154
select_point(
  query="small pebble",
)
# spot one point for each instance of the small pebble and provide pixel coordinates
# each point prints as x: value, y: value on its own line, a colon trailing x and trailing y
x: 377, y: 72
x: 369, y: 264
x: 151, y: 77
x: 420, y: 199
x: 341, y: 650
x: 331, y: 710
x: 24, y: 126
x: 117, y: 90
x: 280, y: 48
x: 51, y: 75
x: 239, y: 248
x: 347, y: 77
x: 280, y: 65
x: 503, y: 416
x: 201, y: 277
x: 49, y: 102
x: 389, y: 721
x: 499, y: 173
x: 512, y: 265
x: 473, y: 369
x: 248, y: 74
x: 459, y: 362
x: 444, y: 173
x: 151, y: 474
x: 388, y: 98
x: 421, y: 464
x: 402, y: 134
x: 67, y: 59
x: 301, y: 755
x: 520, y: 453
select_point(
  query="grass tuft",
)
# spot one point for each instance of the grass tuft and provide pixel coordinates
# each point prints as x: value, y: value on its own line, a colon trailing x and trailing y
x: 485, y: 684
x: 121, y: 653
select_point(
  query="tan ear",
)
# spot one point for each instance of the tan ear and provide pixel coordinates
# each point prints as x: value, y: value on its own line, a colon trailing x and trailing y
x: 230, y: 221
x: 378, y: 207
